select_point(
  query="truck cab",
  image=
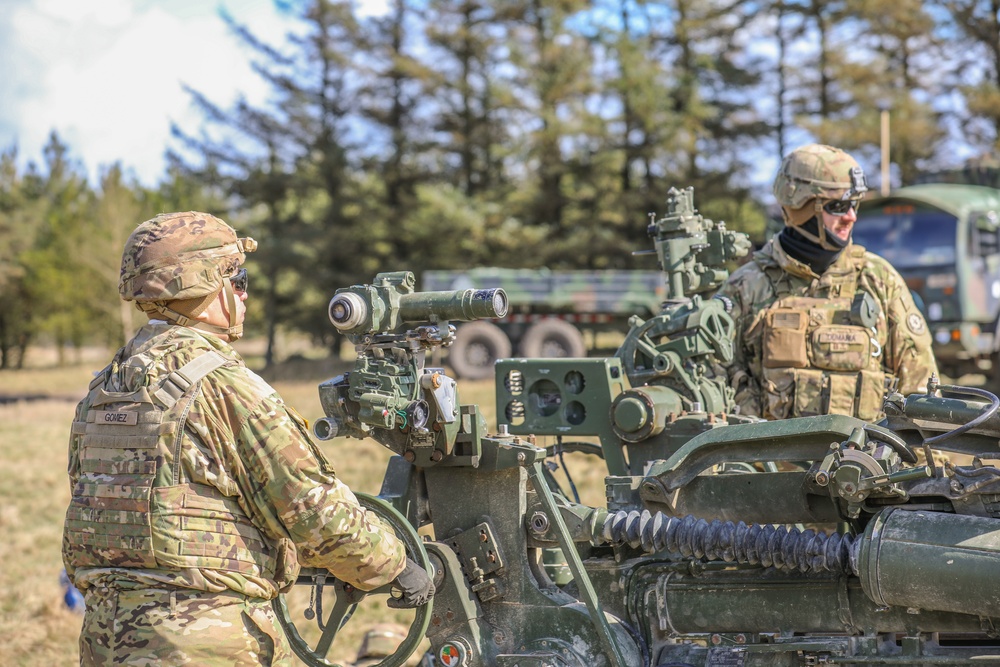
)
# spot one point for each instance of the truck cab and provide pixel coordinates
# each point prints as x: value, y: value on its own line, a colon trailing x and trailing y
x: 944, y: 239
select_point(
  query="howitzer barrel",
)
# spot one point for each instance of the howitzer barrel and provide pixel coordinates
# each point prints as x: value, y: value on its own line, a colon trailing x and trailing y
x: 461, y: 305
x: 906, y: 558
x: 932, y: 560
x: 773, y: 601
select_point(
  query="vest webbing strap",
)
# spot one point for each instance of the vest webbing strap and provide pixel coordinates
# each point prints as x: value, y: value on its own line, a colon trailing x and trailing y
x: 179, y: 381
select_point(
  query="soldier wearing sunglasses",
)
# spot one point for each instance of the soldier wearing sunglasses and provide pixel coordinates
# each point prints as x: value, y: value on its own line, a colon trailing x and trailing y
x: 197, y: 494
x: 823, y: 327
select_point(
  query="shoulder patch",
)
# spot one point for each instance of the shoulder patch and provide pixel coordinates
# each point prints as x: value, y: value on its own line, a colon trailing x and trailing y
x: 915, y: 323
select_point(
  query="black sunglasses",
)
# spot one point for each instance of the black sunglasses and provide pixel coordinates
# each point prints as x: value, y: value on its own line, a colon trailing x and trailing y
x: 840, y: 207
x: 240, y: 280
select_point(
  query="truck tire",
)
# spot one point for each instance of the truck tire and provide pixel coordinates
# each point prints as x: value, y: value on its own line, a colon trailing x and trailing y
x: 476, y: 348
x: 552, y: 338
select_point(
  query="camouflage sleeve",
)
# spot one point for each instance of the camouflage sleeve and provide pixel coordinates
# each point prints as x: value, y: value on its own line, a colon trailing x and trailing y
x: 909, y: 355
x: 321, y: 515
x: 740, y: 369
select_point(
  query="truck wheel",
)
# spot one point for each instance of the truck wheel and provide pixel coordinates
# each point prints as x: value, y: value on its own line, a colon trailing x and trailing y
x: 476, y: 348
x: 552, y: 338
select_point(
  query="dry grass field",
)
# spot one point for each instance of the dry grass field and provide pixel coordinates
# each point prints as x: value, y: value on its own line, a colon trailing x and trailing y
x: 35, y: 626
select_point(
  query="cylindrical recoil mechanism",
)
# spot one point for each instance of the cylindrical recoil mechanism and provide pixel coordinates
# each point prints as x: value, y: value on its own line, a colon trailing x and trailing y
x: 908, y: 558
x: 768, y: 546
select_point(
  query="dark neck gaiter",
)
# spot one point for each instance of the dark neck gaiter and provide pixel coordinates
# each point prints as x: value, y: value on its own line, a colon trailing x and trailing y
x: 799, y: 247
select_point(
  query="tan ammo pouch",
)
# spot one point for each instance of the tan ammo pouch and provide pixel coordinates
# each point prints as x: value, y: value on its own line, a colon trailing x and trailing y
x: 840, y: 348
x: 807, y: 332
x: 779, y: 393
x: 784, y: 340
x: 871, y: 394
x: 804, y: 392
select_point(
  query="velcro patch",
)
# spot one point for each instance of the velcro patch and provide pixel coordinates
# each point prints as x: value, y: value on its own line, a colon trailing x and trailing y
x: 915, y: 323
x: 786, y: 320
x: 110, y: 417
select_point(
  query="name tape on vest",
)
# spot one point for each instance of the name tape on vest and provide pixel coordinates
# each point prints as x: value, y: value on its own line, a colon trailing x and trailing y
x: 842, y: 337
x: 123, y: 418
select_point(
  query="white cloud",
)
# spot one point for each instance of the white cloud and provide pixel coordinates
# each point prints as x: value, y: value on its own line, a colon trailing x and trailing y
x: 107, y: 75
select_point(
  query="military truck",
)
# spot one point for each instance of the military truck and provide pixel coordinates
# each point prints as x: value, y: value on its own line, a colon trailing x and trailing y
x: 944, y: 239
x: 549, y: 311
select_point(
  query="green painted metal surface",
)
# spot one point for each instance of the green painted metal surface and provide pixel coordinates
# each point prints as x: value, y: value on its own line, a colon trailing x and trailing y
x: 725, y: 540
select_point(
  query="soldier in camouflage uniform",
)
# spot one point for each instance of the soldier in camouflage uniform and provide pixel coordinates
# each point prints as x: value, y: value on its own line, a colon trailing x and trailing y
x: 822, y: 326
x: 197, y: 494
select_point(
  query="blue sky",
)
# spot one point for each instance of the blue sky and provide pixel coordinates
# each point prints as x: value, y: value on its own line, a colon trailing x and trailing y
x: 107, y: 75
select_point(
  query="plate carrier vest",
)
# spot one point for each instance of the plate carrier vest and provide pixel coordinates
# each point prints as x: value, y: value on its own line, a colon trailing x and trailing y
x: 130, y: 509
x: 816, y: 359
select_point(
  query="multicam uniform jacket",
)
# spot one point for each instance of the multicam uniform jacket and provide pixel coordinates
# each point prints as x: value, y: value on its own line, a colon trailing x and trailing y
x: 801, y: 352
x: 215, y: 486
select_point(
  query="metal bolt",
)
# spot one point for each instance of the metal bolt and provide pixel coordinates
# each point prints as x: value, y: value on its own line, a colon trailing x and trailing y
x: 437, y: 455
x: 741, y: 638
x: 521, y: 458
x: 539, y: 522
x: 716, y: 640
x: 957, y: 486
x: 450, y: 615
x: 409, y: 455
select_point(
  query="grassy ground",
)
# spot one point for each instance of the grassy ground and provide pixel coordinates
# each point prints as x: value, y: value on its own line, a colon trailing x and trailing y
x: 35, y: 627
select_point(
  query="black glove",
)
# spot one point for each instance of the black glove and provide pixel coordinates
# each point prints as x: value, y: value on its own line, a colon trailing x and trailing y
x: 416, y: 585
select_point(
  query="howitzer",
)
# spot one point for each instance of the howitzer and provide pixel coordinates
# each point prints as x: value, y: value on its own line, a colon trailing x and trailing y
x: 725, y: 540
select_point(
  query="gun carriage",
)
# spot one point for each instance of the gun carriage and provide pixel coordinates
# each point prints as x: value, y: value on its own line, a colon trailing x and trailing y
x: 725, y: 540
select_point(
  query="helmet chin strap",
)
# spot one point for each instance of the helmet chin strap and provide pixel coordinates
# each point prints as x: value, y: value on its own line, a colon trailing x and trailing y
x: 235, y: 330
x: 231, y: 333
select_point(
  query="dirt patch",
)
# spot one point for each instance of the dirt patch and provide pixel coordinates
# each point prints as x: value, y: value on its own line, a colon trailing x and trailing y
x: 6, y: 399
x: 302, y: 369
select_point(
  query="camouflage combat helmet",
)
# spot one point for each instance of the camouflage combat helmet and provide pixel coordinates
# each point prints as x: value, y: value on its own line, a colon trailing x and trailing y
x: 175, y: 265
x: 811, y: 176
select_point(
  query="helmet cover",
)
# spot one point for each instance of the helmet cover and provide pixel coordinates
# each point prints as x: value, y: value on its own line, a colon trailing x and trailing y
x: 818, y: 171
x: 177, y: 256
